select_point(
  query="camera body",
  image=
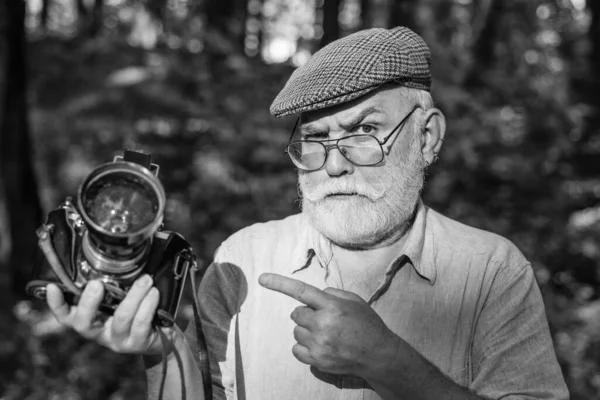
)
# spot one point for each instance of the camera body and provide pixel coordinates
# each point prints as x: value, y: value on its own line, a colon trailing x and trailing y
x: 114, y: 235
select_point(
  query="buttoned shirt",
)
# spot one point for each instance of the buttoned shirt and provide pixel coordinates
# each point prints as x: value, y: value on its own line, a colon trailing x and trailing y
x: 465, y: 299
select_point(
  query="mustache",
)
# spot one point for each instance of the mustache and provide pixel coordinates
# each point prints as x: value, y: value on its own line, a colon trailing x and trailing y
x: 339, y: 186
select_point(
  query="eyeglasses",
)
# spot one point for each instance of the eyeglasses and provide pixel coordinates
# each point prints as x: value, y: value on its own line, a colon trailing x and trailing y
x: 361, y: 150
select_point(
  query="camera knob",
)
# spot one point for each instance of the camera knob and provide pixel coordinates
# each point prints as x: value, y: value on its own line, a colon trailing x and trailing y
x: 40, y: 293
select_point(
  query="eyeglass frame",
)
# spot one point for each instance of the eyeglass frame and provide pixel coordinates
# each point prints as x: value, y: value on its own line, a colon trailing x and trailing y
x: 328, y: 147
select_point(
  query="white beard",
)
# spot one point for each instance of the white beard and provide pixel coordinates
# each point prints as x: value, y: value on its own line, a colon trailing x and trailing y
x: 375, y: 211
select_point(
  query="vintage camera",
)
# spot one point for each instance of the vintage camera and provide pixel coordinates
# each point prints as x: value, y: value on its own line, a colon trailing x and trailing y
x: 114, y: 234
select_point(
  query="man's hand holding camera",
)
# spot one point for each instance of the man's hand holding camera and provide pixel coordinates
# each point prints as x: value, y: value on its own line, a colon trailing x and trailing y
x: 337, y: 331
x: 129, y: 330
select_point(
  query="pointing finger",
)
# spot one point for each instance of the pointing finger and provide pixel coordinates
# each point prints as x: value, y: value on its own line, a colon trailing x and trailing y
x: 303, y: 292
x: 343, y: 294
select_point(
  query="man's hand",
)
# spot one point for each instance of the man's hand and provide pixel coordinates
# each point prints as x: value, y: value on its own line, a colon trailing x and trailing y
x: 129, y: 330
x: 337, y: 331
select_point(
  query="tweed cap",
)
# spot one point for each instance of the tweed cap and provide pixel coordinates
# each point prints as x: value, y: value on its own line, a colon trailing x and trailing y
x: 353, y: 66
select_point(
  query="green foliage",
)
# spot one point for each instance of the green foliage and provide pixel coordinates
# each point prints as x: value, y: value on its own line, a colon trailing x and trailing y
x: 520, y: 159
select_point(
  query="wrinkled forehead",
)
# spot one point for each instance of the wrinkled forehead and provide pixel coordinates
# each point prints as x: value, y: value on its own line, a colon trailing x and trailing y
x: 388, y: 102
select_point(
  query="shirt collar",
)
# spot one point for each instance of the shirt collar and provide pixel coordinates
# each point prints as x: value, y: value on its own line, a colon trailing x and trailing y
x: 316, y: 245
x: 418, y: 248
x: 419, y: 245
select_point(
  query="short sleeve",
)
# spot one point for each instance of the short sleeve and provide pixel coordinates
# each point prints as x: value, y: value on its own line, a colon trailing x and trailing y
x: 513, y: 355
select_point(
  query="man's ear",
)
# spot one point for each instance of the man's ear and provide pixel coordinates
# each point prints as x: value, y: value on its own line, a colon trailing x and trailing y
x: 434, y: 129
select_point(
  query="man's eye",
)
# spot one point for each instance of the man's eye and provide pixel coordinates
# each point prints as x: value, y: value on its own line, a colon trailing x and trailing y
x: 364, y: 129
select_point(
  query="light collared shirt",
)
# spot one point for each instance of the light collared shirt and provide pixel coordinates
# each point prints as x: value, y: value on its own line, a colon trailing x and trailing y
x: 465, y: 299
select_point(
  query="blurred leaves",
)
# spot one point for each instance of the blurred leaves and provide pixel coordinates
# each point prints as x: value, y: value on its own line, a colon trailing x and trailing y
x: 43, y: 361
x: 521, y: 155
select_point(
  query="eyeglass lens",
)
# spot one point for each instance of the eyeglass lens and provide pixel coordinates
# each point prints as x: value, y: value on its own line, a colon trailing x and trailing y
x: 359, y: 149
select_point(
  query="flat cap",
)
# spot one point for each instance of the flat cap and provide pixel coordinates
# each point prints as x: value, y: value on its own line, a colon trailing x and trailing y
x: 353, y: 66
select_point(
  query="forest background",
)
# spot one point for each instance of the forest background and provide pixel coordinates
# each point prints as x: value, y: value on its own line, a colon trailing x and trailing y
x: 191, y: 81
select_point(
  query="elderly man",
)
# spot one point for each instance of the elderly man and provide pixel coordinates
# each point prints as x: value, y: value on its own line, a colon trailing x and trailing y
x: 368, y: 293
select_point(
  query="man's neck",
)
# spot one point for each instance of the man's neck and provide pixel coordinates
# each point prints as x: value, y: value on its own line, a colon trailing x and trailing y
x: 375, y: 258
x: 372, y: 260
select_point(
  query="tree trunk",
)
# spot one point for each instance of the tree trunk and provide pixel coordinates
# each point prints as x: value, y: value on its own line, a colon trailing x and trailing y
x: 241, y: 15
x: 377, y: 13
x: 96, y: 19
x: 262, y: 31
x: 402, y: 13
x: 331, y: 23
x: 4, y: 230
x: 81, y: 15
x: 218, y: 14
x: 588, y: 161
x: 44, y: 14
x: 482, y: 12
x: 487, y: 14
x: 82, y: 11
x: 594, y: 39
x: 365, y: 13
x: 17, y: 178
x: 158, y: 10
x: 229, y: 18
x: 252, y: 37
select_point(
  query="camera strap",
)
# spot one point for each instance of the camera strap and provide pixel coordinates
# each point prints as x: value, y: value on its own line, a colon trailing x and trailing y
x: 203, y: 360
x: 167, y: 347
x: 45, y: 244
x: 240, y: 384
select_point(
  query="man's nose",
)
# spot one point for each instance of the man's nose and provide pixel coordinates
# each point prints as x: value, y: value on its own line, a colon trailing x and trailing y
x: 337, y: 164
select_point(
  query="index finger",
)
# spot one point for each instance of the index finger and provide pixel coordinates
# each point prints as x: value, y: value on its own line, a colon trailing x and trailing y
x: 303, y: 292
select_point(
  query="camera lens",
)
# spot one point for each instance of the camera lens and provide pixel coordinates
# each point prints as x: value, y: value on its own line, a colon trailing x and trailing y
x: 121, y: 203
